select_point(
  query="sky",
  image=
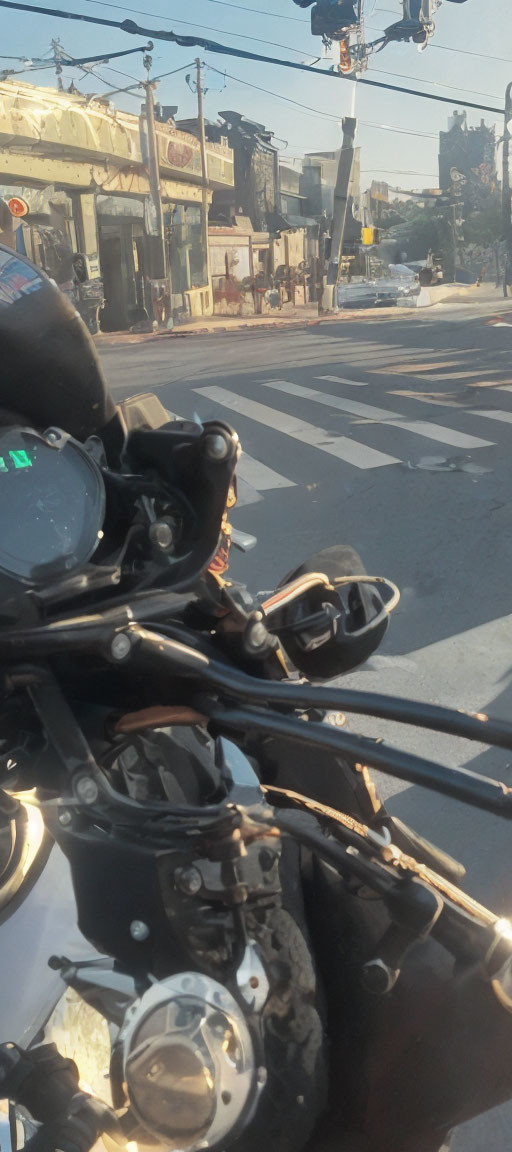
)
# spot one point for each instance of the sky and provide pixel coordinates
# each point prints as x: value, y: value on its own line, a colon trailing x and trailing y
x: 470, y: 58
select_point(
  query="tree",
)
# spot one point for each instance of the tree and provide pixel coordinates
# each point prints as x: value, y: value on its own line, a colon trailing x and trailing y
x: 426, y: 227
x: 484, y: 226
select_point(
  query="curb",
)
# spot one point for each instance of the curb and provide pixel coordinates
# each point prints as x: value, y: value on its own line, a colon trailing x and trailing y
x: 113, y: 338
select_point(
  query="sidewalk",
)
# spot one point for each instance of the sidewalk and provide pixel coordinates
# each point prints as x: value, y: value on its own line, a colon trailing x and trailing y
x: 209, y: 325
x: 486, y: 297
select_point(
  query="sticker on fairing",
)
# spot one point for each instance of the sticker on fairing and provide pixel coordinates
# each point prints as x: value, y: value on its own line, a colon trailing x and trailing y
x: 17, y: 279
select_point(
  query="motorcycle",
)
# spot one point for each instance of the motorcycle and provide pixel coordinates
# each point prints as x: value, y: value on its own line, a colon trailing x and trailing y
x: 271, y: 956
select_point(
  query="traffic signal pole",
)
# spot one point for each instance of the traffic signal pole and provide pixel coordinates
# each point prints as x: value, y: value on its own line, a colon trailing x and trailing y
x: 506, y: 195
x: 339, y: 218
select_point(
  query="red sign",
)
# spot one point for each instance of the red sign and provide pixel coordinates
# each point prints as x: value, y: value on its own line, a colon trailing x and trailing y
x: 179, y: 155
x: 17, y: 206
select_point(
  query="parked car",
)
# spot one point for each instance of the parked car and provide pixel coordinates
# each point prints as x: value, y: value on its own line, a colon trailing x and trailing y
x: 398, y: 283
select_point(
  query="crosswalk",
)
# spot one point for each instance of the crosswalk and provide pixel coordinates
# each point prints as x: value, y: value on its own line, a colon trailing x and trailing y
x: 324, y: 413
x: 383, y: 416
x: 351, y: 451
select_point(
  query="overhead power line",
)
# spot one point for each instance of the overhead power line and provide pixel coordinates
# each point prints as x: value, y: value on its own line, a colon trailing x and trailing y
x: 435, y: 83
x: 205, y: 27
x: 106, y: 55
x: 140, y: 83
x: 132, y: 28
x: 68, y: 61
x: 396, y: 172
x: 445, y: 47
x: 259, y: 12
x: 322, y: 115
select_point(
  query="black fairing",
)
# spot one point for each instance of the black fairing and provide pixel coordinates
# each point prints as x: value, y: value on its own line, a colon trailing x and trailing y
x: 50, y: 371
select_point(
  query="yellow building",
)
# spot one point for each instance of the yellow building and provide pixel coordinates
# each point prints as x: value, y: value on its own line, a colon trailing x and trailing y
x: 79, y: 163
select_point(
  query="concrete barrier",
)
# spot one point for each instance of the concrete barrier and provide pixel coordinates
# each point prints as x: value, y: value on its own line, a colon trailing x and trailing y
x: 439, y: 294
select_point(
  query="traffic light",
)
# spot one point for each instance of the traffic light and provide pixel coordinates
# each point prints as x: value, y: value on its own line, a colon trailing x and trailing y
x: 370, y: 236
x: 333, y: 18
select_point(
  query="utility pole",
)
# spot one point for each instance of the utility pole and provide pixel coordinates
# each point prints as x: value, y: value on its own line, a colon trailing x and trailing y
x: 349, y: 125
x: 506, y: 197
x: 454, y: 239
x: 159, y: 269
x: 204, y: 174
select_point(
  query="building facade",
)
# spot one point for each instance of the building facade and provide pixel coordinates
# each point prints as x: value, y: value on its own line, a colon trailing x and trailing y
x: 467, y: 161
x: 258, y: 252
x: 80, y: 165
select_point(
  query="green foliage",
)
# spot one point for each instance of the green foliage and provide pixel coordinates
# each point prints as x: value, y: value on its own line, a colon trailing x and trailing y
x: 485, y: 225
x: 425, y: 227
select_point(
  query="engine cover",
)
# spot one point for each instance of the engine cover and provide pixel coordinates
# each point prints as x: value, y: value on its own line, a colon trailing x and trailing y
x: 189, y: 1064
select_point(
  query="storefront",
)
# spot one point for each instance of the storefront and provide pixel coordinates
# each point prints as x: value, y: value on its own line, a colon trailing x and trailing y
x: 48, y: 234
x: 79, y: 164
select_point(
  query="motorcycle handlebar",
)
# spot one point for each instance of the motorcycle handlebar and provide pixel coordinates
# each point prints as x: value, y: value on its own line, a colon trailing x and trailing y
x: 120, y: 639
x: 413, y: 894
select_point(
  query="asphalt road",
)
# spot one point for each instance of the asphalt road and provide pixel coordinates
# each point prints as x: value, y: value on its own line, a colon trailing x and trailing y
x: 392, y: 435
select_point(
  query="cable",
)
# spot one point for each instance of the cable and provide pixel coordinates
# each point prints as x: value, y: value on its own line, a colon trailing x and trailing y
x: 323, y: 115
x: 106, y: 56
x: 140, y: 83
x: 396, y: 172
x: 70, y: 61
x: 446, y: 47
x: 134, y: 29
x: 127, y: 75
x: 436, y: 83
x: 274, y: 15
x: 467, y: 52
x: 205, y: 27
x: 164, y: 75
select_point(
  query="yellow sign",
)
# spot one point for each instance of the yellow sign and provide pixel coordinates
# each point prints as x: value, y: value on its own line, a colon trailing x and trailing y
x: 367, y: 236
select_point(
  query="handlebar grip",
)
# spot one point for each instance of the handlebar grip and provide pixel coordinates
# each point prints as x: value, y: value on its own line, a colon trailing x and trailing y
x: 77, y: 1131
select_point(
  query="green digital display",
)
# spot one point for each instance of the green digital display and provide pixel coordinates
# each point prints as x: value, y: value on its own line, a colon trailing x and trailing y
x: 16, y: 458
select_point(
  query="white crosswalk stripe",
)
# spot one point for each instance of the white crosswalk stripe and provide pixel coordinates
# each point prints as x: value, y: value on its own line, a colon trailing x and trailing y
x: 343, y: 447
x: 259, y: 476
x: 382, y: 416
x: 342, y: 380
x: 253, y: 476
x: 494, y: 414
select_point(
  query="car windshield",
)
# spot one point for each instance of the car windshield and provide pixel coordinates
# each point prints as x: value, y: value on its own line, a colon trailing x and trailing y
x: 296, y: 218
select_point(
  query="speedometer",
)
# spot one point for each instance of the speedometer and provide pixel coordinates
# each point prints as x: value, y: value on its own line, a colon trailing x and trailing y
x: 52, y: 505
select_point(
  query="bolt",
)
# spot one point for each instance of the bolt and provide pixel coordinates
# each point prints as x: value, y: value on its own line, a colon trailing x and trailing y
x: 139, y: 931
x: 257, y: 635
x: 65, y: 817
x: 121, y: 646
x: 87, y: 790
x: 217, y: 447
x: 53, y: 436
x: 378, y: 978
x: 189, y: 880
x: 266, y: 859
x: 161, y: 534
x: 337, y: 719
x: 254, y: 982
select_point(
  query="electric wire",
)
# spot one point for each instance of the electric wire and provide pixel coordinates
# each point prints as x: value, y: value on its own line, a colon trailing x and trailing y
x: 205, y: 27
x: 130, y: 27
x: 323, y: 115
